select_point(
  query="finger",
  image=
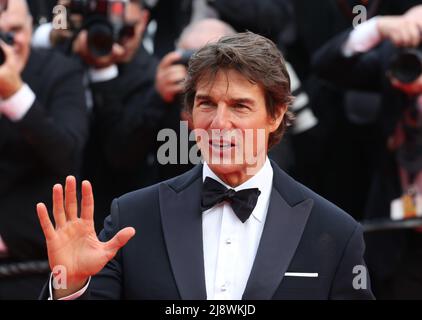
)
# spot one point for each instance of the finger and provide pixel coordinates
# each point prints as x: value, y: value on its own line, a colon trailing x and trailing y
x: 81, y: 43
x: 406, y: 36
x: 87, y: 210
x: 117, y: 50
x: 397, y: 39
x: 118, y: 241
x: 7, y: 49
x: 71, y: 202
x: 415, y: 35
x: 175, y: 70
x: 169, y: 59
x: 176, y: 88
x: 58, y: 208
x: 176, y: 77
x: 45, y: 222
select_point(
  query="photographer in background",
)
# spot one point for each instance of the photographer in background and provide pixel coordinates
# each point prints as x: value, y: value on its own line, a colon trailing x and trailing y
x: 126, y: 112
x: 373, y: 57
x: 43, y: 128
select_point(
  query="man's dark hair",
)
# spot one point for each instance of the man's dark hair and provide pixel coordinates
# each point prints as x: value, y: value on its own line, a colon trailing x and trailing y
x: 255, y: 57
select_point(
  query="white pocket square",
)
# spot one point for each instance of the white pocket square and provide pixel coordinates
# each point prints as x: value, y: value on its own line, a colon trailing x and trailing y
x: 301, y: 274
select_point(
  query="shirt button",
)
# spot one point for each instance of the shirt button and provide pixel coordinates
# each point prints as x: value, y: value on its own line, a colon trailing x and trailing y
x: 228, y: 241
x: 224, y: 287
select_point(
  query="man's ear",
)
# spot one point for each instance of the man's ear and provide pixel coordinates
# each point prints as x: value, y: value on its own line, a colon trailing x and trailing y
x: 278, y: 118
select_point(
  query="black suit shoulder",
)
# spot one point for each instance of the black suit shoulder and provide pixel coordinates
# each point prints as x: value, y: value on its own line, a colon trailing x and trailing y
x: 43, y: 61
x: 325, y: 218
x: 329, y: 215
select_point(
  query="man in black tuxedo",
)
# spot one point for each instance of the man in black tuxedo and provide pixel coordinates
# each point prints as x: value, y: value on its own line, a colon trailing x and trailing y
x: 236, y: 227
x: 43, y: 128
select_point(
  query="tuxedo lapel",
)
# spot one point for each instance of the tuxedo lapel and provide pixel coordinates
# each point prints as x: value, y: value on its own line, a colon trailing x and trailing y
x: 180, y: 206
x: 287, y: 215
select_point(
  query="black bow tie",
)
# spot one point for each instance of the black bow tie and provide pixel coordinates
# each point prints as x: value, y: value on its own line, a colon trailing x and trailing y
x: 242, y: 202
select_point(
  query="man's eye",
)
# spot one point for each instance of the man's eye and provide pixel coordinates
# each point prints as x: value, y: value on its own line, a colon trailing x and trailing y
x: 205, y: 104
x: 241, y: 106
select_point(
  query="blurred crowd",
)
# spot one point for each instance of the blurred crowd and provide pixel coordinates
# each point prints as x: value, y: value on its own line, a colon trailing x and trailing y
x: 84, y: 91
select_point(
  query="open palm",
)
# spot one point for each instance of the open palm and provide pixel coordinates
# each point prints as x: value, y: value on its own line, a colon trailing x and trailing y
x: 73, y: 244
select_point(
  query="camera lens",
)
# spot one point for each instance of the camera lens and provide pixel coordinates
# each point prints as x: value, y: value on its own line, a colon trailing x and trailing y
x: 100, y: 39
x: 407, y: 65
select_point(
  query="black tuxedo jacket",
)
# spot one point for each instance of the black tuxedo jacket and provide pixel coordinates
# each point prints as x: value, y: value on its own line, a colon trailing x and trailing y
x: 303, y: 233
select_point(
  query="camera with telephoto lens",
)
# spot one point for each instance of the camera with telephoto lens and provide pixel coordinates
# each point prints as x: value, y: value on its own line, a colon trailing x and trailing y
x: 104, y: 21
x: 406, y: 65
x: 185, y: 57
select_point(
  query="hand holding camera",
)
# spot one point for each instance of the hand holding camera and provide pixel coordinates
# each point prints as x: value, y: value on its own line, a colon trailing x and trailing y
x: 81, y: 47
x: 400, y: 30
x: 171, y: 74
x: 405, y: 32
x: 104, y: 22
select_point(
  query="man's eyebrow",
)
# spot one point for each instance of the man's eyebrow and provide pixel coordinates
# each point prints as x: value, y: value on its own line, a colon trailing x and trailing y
x: 203, y: 97
x: 232, y: 101
x: 243, y: 101
x: 16, y: 26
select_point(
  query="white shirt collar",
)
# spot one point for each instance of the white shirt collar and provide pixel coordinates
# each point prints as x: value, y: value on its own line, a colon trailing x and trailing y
x: 263, y: 180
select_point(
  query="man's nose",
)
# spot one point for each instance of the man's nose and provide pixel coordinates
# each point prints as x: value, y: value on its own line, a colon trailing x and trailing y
x: 222, y: 118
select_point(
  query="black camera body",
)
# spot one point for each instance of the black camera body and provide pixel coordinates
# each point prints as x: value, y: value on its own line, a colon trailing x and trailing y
x: 185, y: 57
x: 104, y: 21
x: 406, y: 65
x: 8, y: 38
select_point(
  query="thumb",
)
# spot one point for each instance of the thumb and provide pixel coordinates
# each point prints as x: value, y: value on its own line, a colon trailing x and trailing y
x: 118, y: 51
x: 119, y: 240
x: 80, y: 44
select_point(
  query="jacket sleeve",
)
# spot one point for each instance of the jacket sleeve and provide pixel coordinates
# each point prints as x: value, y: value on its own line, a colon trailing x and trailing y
x: 57, y: 131
x: 361, y: 71
x: 351, y: 280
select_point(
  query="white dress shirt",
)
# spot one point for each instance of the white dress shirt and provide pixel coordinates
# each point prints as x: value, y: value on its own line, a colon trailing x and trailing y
x: 363, y: 38
x: 230, y: 246
x: 17, y: 106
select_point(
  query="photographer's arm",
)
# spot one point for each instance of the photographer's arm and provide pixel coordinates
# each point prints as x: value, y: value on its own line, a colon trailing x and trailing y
x: 353, y: 60
x: 60, y: 126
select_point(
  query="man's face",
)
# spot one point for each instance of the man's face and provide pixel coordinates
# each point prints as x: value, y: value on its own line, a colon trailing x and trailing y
x: 138, y: 18
x: 17, y: 20
x: 232, y: 110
